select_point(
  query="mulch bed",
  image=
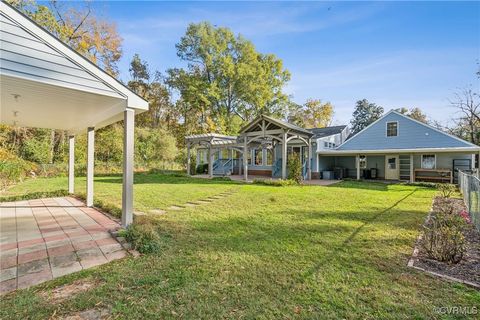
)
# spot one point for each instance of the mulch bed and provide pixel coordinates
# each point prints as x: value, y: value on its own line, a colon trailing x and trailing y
x: 468, y: 269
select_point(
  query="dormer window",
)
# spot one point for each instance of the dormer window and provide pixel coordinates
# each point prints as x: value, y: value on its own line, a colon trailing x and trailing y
x: 392, y: 129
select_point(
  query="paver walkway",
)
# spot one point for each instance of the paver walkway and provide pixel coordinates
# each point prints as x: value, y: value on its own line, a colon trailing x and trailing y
x: 43, y: 239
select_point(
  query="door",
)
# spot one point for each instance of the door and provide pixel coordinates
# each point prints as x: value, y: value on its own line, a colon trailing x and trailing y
x: 392, y: 171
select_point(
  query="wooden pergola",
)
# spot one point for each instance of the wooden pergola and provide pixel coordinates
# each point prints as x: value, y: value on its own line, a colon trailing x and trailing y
x: 263, y: 130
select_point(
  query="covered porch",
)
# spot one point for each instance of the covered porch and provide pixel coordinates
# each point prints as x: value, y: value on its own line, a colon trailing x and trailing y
x: 261, y: 149
x: 46, y: 84
x: 397, y: 165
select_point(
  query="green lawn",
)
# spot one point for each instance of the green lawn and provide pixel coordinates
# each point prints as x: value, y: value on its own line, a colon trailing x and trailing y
x: 262, y: 253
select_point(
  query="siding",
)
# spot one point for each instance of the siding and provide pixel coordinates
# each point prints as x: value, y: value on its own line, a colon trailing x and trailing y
x: 411, y: 135
x: 25, y: 56
x: 444, y: 160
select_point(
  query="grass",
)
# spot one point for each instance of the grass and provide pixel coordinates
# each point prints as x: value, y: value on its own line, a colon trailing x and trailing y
x: 152, y: 191
x: 262, y: 253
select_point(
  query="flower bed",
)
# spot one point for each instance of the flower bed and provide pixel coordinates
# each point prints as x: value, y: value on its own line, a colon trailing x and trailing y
x: 463, y: 262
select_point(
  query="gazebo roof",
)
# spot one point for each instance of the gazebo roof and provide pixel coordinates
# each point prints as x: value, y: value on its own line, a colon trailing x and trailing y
x: 46, y: 84
x: 276, y: 123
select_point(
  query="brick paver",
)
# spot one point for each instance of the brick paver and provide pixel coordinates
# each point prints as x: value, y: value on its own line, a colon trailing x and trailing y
x: 43, y: 239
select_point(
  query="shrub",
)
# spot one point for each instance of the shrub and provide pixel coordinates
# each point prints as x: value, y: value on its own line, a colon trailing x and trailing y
x: 143, y: 236
x: 276, y: 183
x: 443, y: 237
x: 13, y: 169
x: 294, y: 166
x: 431, y: 185
x: 446, y: 189
x: 202, y: 168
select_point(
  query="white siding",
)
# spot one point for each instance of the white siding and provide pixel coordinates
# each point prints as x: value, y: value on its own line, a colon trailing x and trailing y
x: 25, y: 56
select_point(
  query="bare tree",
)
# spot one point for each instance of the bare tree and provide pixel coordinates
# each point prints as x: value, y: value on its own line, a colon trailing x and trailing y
x: 467, y: 104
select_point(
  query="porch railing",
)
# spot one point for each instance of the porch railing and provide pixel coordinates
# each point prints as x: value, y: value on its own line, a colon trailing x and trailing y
x: 304, y: 170
x: 222, y: 166
x: 277, y: 168
x: 469, y: 185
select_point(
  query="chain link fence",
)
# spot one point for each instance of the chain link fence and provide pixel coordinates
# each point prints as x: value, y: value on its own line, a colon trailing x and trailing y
x: 469, y: 185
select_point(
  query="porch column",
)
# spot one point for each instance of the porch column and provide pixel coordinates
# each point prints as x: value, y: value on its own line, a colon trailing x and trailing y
x: 245, y: 159
x: 90, y: 164
x: 231, y: 160
x: 357, y: 160
x: 309, y: 160
x: 284, y: 156
x: 71, y: 164
x: 210, y: 161
x: 188, y: 159
x: 127, y: 190
x: 411, y: 168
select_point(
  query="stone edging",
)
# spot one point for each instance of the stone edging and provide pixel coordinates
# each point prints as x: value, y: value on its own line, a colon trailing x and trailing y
x: 413, y: 258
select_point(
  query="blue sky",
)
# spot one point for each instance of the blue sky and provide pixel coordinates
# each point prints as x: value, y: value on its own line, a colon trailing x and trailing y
x: 396, y: 54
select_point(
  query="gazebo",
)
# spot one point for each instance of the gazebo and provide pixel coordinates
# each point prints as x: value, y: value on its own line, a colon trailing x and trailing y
x: 46, y: 84
x: 263, y: 133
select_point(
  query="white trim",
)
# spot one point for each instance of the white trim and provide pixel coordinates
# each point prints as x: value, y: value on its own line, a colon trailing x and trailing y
x: 133, y: 100
x: 428, y: 154
x: 397, y: 164
x: 382, y: 151
x: 366, y: 164
x: 386, y: 129
x: 414, y: 120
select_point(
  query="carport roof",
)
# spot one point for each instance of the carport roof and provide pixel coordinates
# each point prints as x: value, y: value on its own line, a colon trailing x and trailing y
x: 45, y: 83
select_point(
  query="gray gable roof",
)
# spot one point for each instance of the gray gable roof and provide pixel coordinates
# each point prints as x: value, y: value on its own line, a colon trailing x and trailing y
x: 412, y: 134
x: 327, y: 131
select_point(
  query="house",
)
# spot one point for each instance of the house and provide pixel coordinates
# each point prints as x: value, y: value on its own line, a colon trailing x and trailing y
x: 395, y: 147
x: 398, y: 147
x: 46, y: 84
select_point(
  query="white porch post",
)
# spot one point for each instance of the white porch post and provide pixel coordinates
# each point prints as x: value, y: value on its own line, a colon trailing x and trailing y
x: 210, y: 161
x: 127, y: 190
x: 357, y: 160
x: 231, y: 160
x: 284, y: 156
x: 245, y: 159
x: 90, y: 164
x: 411, y: 168
x: 309, y: 160
x: 188, y: 159
x: 71, y: 164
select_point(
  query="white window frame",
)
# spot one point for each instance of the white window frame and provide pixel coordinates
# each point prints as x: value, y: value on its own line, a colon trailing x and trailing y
x: 386, y: 129
x: 428, y: 154
x: 253, y: 157
x: 366, y: 165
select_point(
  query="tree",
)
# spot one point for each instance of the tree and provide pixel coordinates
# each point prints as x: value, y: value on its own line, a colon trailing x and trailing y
x: 312, y: 114
x: 154, y: 146
x: 467, y: 105
x: 161, y: 112
x: 94, y: 38
x: 364, y: 114
x: 414, y: 113
x: 226, y: 77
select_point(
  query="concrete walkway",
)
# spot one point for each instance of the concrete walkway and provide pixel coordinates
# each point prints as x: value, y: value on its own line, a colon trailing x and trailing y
x: 44, y: 239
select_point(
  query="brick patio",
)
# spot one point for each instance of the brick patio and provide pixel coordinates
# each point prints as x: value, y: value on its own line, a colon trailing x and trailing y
x: 43, y: 239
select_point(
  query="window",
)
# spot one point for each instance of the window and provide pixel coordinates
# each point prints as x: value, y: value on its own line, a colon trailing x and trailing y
x: 325, y: 144
x: 392, y: 129
x: 249, y: 159
x: 225, y: 154
x: 258, y: 157
x: 269, y: 157
x: 392, y: 163
x: 428, y: 161
x: 362, y: 160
